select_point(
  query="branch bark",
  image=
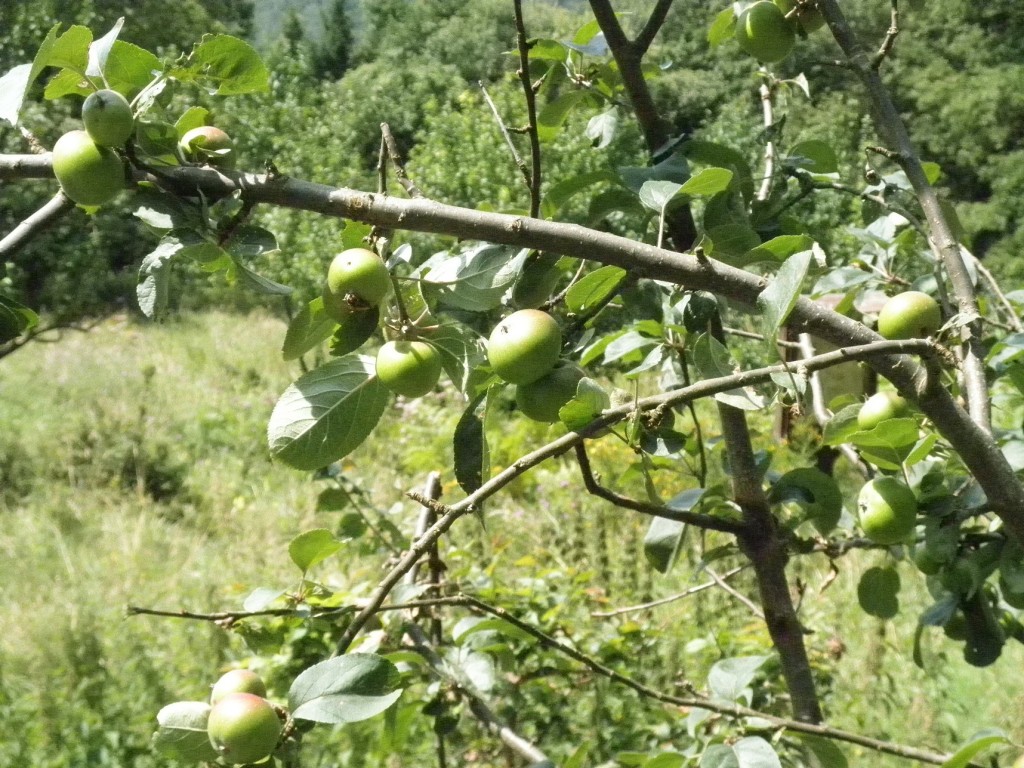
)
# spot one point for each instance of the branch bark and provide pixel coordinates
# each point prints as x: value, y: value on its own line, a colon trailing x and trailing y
x: 45, y: 217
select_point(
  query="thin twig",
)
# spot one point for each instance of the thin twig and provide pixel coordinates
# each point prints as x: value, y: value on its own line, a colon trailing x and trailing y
x: 534, y: 178
x: 520, y: 164
x: 32, y: 225
x: 890, y: 35
x: 666, y: 600
x: 766, y: 92
x: 720, y: 581
x: 396, y: 161
x: 654, y: 510
x: 652, y: 27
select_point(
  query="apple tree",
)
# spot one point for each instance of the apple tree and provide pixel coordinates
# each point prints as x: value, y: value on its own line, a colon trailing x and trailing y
x: 685, y: 291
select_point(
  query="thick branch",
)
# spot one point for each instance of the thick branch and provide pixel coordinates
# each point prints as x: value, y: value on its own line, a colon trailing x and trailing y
x: 46, y: 216
x: 893, y: 130
x: 974, y: 445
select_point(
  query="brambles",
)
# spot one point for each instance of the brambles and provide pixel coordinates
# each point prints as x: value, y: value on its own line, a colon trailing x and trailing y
x: 356, y: 279
x: 108, y: 118
x: 541, y: 400
x: 880, y: 407
x: 409, y: 368
x: 88, y: 173
x: 887, y: 509
x: 208, y: 144
x: 237, y: 681
x: 909, y: 315
x: 763, y: 31
x: 243, y: 728
x: 524, y: 346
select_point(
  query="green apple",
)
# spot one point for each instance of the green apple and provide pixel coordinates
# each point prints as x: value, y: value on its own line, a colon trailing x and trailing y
x: 808, y: 16
x: 88, y: 173
x: 210, y: 145
x: 816, y: 492
x: 541, y: 400
x: 409, y: 368
x: 243, y: 728
x: 887, y: 510
x: 524, y: 346
x: 238, y: 681
x: 108, y: 118
x: 880, y: 407
x: 763, y: 31
x: 357, y: 278
x: 909, y: 315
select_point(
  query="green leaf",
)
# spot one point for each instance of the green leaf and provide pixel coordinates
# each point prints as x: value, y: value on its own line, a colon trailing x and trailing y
x: 814, y: 155
x: 779, y: 297
x: 99, y: 51
x: 461, y: 355
x: 732, y: 242
x: 594, y: 288
x: 327, y: 413
x: 662, y: 541
x: 354, y: 330
x: 778, y: 249
x: 708, y: 182
x: 193, y: 117
x: 15, y: 319
x: 259, y: 283
x: 553, y: 115
x: 152, y: 288
x: 476, y: 279
x: 249, y: 241
x: 821, y: 752
x: 749, y: 752
x: 232, y: 65
x: 588, y: 404
x: 666, y: 760
x: 559, y: 194
x: 712, y: 360
x: 312, y: 547
x: 310, y: 326
x: 721, y: 28
x: 181, y: 734
x: 12, y: 92
x: 721, y: 156
x: 729, y: 679
x: 877, y: 592
x: 158, y: 141
x: 601, y: 128
x: 977, y: 743
x: 472, y: 458
x: 674, y: 168
x: 345, y: 689
x: 129, y: 68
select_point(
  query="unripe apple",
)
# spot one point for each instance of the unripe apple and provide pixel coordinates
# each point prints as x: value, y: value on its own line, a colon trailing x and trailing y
x: 208, y: 144
x: 88, y: 173
x: 409, y: 368
x: 880, y: 407
x: 909, y: 315
x: 355, y: 273
x: 763, y: 31
x: 243, y: 728
x: 524, y: 346
x: 108, y: 118
x: 887, y: 510
x: 238, y: 681
x: 541, y: 400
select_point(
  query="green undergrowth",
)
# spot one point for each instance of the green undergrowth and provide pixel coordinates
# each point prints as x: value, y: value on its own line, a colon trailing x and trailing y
x: 134, y: 470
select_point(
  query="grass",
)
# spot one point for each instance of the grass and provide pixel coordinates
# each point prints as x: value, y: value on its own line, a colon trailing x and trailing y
x: 133, y: 469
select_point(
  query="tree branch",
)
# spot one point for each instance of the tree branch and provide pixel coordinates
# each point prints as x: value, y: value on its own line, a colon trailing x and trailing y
x: 975, y: 446
x: 893, y: 130
x: 523, y: 45
x: 653, y: 26
x: 46, y: 216
x: 666, y: 600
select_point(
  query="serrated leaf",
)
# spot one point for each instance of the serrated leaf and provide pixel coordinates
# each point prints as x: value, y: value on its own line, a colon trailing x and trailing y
x: 472, y: 458
x: 354, y: 331
x: 779, y: 297
x: 310, y: 326
x: 461, y: 354
x: 728, y: 679
x: 553, y: 114
x: 588, y: 404
x: 476, y: 279
x: 258, y: 282
x: 777, y: 249
x: 312, y: 547
x: 99, y: 51
x: 152, y: 288
x: 249, y: 242
x: 327, y: 413
x: 594, y: 288
x: 722, y: 28
x: 232, y: 65
x: 345, y: 689
x: 814, y: 155
x: 877, y: 592
x: 707, y: 182
x: 656, y: 195
x: 601, y: 128
x: 181, y: 734
x: 15, y: 318
x: 661, y: 542
x: 755, y: 752
x: 976, y: 744
x: 193, y: 117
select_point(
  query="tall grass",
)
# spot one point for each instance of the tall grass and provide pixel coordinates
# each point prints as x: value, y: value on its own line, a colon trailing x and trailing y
x: 133, y: 469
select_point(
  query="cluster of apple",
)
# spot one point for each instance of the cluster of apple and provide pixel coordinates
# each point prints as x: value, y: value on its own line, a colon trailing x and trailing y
x: 767, y: 29
x: 87, y: 165
x: 523, y: 349
x: 887, y: 507
x: 243, y: 727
